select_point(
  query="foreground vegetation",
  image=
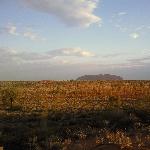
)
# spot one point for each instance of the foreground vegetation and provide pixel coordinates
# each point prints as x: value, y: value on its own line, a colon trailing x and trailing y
x: 75, y: 115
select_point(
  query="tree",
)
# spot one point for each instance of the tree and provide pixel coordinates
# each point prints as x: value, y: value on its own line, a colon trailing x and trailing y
x: 8, y: 96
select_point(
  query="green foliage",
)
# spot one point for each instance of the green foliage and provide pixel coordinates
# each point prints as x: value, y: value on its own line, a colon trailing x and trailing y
x: 8, y: 96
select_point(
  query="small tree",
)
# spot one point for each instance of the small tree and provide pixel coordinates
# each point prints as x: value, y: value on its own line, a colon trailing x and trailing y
x: 8, y: 96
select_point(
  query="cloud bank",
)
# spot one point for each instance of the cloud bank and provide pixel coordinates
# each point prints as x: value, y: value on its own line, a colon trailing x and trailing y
x: 71, y: 52
x: 67, y: 63
x: 70, y: 12
x: 9, y: 55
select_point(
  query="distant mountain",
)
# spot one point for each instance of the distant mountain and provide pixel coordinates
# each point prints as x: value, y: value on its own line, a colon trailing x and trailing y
x: 100, y: 77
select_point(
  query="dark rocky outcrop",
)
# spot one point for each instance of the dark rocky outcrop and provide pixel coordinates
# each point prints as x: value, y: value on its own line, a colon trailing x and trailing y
x: 100, y: 77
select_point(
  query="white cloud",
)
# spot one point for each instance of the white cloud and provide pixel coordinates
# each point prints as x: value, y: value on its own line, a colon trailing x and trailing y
x: 135, y: 35
x: 65, y: 61
x: 86, y: 54
x: 70, y: 12
x: 33, y: 36
x: 10, y: 55
x: 139, y: 28
x: 11, y: 29
x: 122, y: 13
x: 71, y: 52
x: 26, y: 33
x: 30, y: 35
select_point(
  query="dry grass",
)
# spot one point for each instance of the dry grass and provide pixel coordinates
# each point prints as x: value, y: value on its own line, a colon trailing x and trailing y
x: 74, y: 115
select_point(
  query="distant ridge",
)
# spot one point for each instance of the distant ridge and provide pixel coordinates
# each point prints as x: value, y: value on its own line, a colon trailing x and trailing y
x: 100, y: 77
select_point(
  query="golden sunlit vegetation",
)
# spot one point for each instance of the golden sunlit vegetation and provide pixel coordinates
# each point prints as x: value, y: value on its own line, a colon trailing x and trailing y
x: 75, y: 115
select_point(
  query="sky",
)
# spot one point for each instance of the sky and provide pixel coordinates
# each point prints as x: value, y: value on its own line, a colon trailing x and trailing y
x: 64, y: 39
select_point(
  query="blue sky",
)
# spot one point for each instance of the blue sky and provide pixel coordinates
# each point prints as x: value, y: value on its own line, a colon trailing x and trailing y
x: 63, y: 39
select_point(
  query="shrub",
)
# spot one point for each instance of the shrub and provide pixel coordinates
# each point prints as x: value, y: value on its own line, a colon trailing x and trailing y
x: 8, y: 96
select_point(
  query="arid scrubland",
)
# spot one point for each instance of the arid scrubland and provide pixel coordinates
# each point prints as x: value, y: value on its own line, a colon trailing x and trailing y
x: 75, y: 115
